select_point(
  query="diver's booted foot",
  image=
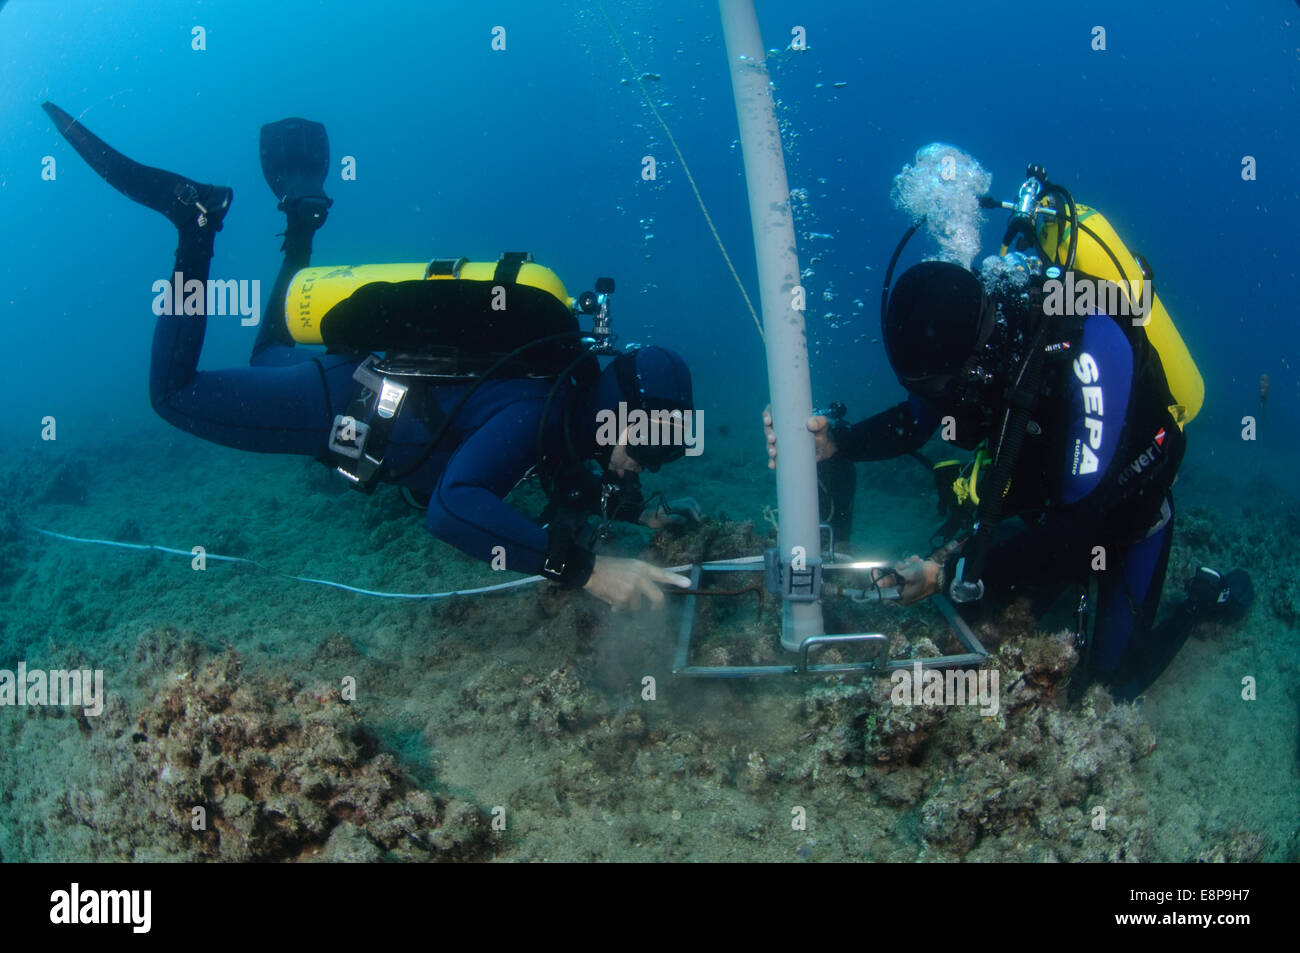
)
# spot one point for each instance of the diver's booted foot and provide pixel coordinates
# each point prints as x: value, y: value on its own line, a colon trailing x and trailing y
x: 1226, y: 597
x: 1241, y: 593
x: 303, y: 216
x: 200, y: 206
x: 306, y: 213
x: 187, y: 204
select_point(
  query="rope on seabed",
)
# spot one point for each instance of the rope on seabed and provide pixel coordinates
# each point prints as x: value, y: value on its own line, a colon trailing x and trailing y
x: 513, y: 584
x: 685, y: 168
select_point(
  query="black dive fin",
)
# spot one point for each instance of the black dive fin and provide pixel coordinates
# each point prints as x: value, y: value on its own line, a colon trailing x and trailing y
x: 182, y: 200
x: 295, y: 158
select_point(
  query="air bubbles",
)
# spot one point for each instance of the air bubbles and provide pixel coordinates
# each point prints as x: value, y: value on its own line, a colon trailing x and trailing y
x: 943, y: 188
x: 1005, y: 276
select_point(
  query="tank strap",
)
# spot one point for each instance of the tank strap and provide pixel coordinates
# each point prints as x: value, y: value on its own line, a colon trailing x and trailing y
x: 445, y: 267
x: 507, y: 272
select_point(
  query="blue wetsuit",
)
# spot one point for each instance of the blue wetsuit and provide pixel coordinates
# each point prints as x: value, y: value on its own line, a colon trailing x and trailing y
x: 1097, y: 473
x: 286, y: 402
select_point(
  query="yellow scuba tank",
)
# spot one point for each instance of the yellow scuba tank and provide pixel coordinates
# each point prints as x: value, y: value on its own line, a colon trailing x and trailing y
x: 1096, y: 237
x: 313, y: 292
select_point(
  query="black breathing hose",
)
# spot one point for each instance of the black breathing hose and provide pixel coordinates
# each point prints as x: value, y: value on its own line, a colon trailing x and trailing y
x: 889, y: 272
x: 546, y: 409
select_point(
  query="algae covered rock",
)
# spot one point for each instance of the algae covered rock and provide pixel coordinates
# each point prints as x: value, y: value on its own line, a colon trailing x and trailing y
x: 226, y: 766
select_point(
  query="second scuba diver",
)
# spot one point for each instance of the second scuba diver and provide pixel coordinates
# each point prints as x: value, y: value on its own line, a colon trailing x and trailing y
x: 457, y: 434
x: 1072, y: 417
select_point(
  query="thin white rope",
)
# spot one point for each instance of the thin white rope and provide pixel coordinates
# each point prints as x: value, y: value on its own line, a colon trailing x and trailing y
x: 528, y: 580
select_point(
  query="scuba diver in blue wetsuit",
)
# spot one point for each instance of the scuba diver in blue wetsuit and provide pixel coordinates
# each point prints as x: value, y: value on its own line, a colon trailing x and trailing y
x: 1076, y: 422
x: 454, y: 382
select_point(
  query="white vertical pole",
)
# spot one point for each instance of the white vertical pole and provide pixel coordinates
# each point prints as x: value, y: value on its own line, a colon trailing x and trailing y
x: 783, y: 324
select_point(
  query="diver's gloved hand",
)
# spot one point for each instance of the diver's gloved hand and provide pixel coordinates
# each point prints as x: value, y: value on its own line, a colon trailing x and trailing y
x: 626, y: 583
x: 672, y: 513
x: 821, y: 431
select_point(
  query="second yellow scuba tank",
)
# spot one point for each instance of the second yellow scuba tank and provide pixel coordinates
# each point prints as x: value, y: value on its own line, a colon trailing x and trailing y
x: 1102, y: 255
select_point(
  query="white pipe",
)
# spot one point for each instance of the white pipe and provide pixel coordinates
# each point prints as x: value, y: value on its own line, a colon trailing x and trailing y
x: 783, y: 324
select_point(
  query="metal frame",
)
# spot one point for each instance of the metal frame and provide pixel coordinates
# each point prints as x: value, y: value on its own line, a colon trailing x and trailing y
x: 877, y: 664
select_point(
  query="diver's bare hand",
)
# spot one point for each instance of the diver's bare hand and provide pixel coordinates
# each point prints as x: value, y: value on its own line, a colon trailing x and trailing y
x: 821, y: 431
x: 625, y: 583
x: 818, y: 425
x: 917, y: 579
